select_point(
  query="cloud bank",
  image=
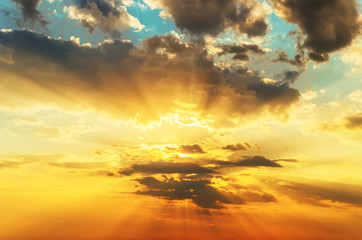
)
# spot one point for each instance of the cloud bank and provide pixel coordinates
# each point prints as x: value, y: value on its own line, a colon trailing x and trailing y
x: 142, y: 83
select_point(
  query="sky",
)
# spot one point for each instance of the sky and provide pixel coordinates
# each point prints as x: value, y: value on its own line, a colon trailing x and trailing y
x: 190, y: 119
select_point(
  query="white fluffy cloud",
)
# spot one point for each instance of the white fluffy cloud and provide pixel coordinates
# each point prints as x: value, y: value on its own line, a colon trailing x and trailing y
x: 92, y: 17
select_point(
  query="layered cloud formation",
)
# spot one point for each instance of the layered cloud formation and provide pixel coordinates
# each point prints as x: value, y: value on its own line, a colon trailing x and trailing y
x: 143, y: 82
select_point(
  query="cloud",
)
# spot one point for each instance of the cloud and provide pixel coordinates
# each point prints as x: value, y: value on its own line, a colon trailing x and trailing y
x: 199, y: 191
x: 356, y: 96
x: 282, y: 56
x: 142, y: 83
x: 237, y: 147
x: 104, y: 15
x: 30, y: 12
x: 353, y: 54
x: 6, y: 55
x: 191, y: 149
x: 349, y: 122
x: 286, y: 160
x: 317, y: 57
x: 240, y: 51
x: 327, y: 26
x: 49, y: 132
x: 24, y: 159
x: 354, y: 121
x: 289, y: 76
x: 166, y: 168
x: 79, y: 165
x: 316, y: 193
x: 200, y: 17
x: 10, y: 164
x: 202, y: 185
x: 255, y: 161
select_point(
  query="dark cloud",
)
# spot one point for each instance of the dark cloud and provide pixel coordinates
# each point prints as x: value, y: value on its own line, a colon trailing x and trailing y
x: 354, y: 121
x: 240, y: 51
x: 327, y: 25
x: 213, y: 17
x: 289, y: 76
x: 255, y: 161
x: 81, y: 61
x: 104, y: 6
x: 237, y: 147
x: 318, y: 57
x: 282, y: 56
x: 30, y: 12
x: 195, y: 182
x: 269, y: 92
x: 140, y: 82
x: 318, y: 192
x: 167, y: 167
x: 199, y: 191
x: 191, y: 149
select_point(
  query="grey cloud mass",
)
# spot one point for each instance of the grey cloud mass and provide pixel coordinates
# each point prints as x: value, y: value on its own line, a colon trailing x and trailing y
x: 289, y: 76
x: 104, y: 6
x: 282, y: 56
x: 327, y: 25
x: 213, y: 17
x: 30, y: 12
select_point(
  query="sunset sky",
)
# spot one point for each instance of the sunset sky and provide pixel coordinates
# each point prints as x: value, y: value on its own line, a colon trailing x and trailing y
x: 180, y: 119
